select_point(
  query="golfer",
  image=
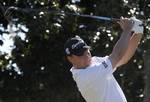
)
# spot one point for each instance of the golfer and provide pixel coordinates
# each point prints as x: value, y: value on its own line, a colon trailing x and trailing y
x: 94, y: 75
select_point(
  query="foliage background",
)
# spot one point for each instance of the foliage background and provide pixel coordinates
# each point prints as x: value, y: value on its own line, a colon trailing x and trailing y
x: 36, y: 70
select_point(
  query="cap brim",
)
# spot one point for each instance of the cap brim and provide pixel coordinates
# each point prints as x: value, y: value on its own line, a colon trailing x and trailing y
x: 87, y: 47
x: 82, y: 50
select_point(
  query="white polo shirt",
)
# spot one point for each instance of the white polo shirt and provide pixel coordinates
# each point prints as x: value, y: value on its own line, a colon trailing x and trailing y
x: 97, y: 83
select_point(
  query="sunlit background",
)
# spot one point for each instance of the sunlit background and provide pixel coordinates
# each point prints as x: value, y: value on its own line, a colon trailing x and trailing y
x: 32, y: 36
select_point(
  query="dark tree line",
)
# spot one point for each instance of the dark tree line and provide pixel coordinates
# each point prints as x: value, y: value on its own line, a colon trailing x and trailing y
x: 36, y: 70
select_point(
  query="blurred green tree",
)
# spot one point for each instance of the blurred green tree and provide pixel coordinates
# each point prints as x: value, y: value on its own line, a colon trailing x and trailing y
x: 36, y: 70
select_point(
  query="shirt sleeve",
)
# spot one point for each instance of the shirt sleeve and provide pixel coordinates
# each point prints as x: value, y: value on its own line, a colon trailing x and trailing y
x: 105, y: 65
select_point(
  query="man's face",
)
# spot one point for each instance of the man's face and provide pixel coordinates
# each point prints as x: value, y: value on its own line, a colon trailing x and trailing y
x: 84, y: 60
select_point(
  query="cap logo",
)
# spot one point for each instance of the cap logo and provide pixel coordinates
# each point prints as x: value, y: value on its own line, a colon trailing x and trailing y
x: 75, y: 45
x: 67, y: 51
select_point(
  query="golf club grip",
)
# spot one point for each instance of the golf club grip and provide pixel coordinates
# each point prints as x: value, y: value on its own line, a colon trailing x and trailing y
x: 107, y: 18
x: 115, y: 19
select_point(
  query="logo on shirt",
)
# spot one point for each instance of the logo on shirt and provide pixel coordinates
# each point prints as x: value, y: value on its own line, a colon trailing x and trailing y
x: 104, y: 64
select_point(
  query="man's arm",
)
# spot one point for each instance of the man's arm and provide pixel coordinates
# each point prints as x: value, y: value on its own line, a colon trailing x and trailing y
x: 133, y: 44
x: 134, y: 41
x: 121, y: 46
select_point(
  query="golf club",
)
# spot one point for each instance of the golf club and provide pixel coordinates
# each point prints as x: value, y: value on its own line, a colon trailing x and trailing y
x: 104, y: 18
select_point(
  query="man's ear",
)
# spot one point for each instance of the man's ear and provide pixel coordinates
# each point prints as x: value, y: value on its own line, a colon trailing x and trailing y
x: 69, y: 58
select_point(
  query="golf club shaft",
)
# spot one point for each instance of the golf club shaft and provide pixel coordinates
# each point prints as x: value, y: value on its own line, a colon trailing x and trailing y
x: 95, y: 17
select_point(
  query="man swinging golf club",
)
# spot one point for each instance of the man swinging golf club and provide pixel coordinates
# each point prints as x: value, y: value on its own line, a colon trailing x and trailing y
x: 94, y: 75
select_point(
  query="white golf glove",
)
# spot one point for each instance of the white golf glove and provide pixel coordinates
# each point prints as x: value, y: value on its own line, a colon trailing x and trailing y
x: 138, y: 26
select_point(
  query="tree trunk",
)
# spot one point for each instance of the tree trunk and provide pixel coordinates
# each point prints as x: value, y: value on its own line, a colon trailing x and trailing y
x: 147, y: 76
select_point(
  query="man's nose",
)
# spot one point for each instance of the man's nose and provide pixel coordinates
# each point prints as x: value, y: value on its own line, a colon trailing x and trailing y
x: 88, y: 54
